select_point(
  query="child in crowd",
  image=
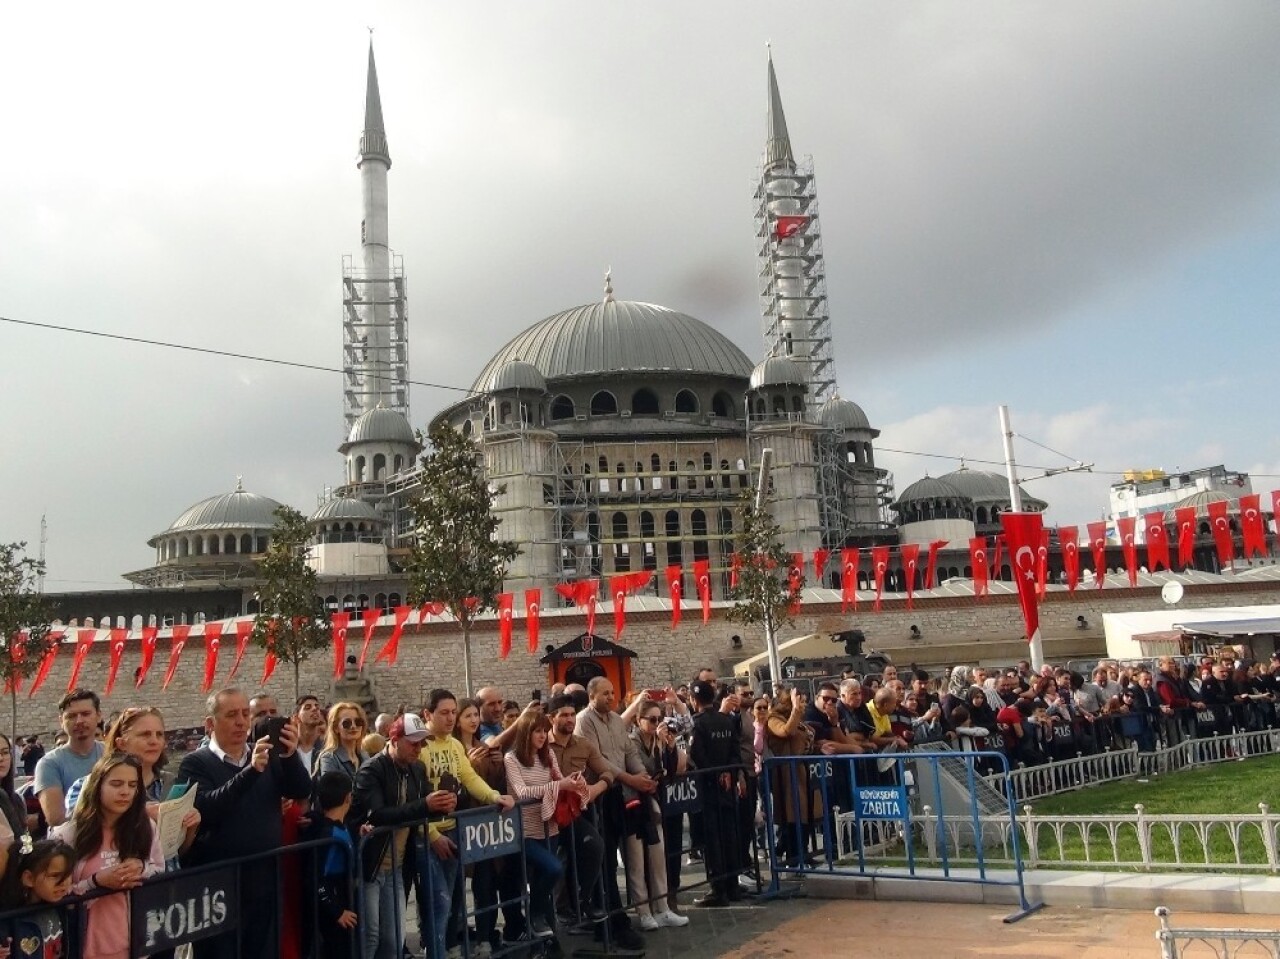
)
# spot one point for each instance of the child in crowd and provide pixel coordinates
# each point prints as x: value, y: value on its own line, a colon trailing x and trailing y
x: 334, y: 895
x: 41, y: 874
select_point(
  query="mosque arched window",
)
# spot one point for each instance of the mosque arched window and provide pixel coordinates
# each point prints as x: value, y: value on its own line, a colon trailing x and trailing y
x: 686, y: 402
x: 619, y: 522
x: 524, y: 414
x: 646, y: 525
x: 562, y: 408
x: 394, y: 600
x: 672, y: 523
x: 722, y: 404
x: 466, y: 427
x: 184, y: 547
x: 797, y: 404
x: 263, y: 543
x: 362, y: 601
x: 622, y: 479
x: 691, y: 481
x: 215, y: 546
x: 982, y: 514
x: 379, y: 467
x: 359, y: 474
x: 760, y: 407
x: 604, y: 464
x: 246, y: 543
x: 706, y: 461
x: 604, y: 403
x: 724, y: 474
x: 780, y: 405
x: 655, y: 463
x: 399, y: 464
x: 698, y: 523
x: 197, y: 545
x: 644, y: 402
x: 349, y: 603
x: 639, y: 478
x: 726, y: 521
x: 380, y: 601
x: 504, y: 413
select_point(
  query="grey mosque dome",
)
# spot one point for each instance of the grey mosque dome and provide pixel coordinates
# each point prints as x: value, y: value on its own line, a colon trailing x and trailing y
x: 618, y: 336
x: 1200, y: 503
x: 983, y: 486
x: 842, y: 414
x: 381, y: 425
x: 239, y: 509
x: 930, y: 488
x: 777, y: 371
x: 517, y: 375
x: 347, y: 508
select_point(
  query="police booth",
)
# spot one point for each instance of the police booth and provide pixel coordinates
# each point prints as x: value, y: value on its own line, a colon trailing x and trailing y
x: 585, y: 657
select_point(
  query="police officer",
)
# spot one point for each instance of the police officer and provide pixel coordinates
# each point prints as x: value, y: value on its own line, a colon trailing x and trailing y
x: 715, y: 745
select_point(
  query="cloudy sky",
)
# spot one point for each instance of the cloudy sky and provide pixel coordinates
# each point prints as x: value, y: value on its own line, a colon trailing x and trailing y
x: 1070, y: 208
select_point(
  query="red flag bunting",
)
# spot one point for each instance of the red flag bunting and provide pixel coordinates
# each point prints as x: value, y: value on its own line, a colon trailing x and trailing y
x: 910, y: 563
x: 583, y: 593
x: 1185, y: 517
x: 702, y: 576
x: 995, y: 558
x: 212, y: 643
x: 46, y: 664
x: 118, y: 637
x: 1042, y: 564
x: 848, y: 578
x: 1221, y: 527
x: 84, y: 642
x: 1098, y: 544
x: 1275, y: 511
x: 931, y: 567
x: 176, y: 644
x: 506, y: 609
x: 150, y: 636
x: 1069, y: 540
x: 18, y: 645
x: 532, y: 611
x: 1127, y: 526
x: 371, y: 617
x: 795, y: 581
x: 390, y: 651
x: 244, y: 629
x: 1253, y: 527
x: 269, y: 660
x: 820, y: 558
x: 880, y: 563
x: 429, y: 609
x: 1157, y: 540
x: 1023, y: 533
x: 675, y: 591
x: 788, y: 226
x: 978, y: 562
x: 339, y: 622
x: 618, y: 590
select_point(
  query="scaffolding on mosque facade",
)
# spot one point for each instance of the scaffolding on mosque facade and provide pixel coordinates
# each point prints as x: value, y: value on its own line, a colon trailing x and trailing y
x: 375, y: 344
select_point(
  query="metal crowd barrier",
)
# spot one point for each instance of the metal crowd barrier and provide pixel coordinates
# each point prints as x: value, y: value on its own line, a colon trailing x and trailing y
x: 1214, y: 943
x: 883, y: 791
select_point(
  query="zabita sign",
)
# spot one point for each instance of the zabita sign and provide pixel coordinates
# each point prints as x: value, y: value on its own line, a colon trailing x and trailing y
x: 880, y: 802
x: 182, y: 908
x: 488, y: 834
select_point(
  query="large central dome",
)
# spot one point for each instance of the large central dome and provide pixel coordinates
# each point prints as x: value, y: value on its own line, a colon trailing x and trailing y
x: 619, y: 336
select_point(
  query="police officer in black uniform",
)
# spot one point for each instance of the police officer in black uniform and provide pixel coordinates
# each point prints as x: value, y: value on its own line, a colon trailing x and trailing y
x: 715, y: 744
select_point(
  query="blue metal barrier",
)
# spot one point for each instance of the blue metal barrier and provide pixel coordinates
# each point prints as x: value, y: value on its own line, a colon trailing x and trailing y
x: 804, y: 794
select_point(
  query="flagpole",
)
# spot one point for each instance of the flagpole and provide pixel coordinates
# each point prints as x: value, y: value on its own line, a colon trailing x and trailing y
x: 770, y: 639
x: 1015, y: 500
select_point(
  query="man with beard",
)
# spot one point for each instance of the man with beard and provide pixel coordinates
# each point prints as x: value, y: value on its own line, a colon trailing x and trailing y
x: 577, y: 755
x: 310, y: 722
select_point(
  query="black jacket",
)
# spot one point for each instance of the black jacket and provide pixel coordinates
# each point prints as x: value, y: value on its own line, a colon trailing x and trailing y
x: 377, y: 802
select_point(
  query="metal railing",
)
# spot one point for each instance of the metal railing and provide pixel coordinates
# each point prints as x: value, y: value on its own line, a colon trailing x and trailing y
x: 1219, y: 943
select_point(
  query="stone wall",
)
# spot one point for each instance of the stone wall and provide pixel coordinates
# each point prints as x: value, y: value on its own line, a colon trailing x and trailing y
x: 952, y: 630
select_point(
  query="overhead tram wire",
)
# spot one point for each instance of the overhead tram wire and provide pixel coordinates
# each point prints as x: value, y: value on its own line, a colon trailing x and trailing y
x: 298, y: 364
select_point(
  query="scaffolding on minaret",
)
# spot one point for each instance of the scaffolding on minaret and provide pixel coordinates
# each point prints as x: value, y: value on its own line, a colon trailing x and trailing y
x: 792, y: 274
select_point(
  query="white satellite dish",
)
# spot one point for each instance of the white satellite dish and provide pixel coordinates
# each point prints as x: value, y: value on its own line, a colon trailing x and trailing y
x: 1171, y: 592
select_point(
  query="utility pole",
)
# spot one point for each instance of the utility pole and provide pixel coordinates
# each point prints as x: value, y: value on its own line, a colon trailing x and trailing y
x: 44, y: 539
x: 1015, y: 500
x: 770, y: 639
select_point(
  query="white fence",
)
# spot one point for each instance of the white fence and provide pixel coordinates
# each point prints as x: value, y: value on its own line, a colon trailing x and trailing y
x: 1214, y: 943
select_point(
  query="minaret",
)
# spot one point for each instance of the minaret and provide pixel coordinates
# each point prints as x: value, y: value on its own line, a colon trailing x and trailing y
x: 793, y: 286
x: 375, y: 343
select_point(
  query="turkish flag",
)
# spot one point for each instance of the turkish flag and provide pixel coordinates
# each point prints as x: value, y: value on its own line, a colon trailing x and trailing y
x: 1253, y: 526
x: 978, y: 561
x: 1069, y: 540
x: 1185, y: 517
x: 702, y: 576
x: 429, y: 609
x: 46, y: 664
x: 269, y: 660
x: 244, y: 629
x: 788, y: 226
x: 582, y: 593
x: 506, y: 608
x: 1221, y: 527
x: 1157, y: 540
x: 931, y: 567
x: 1127, y: 528
x: 371, y: 617
x: 532, y: 609
x: 118, y: 637
x: 1275, y: 510
x: 150, y: 635
x: 339, y: 622
x: 639, y: 581
x: 880, y: 563
x: 1023, y: 531
x: 820, y: 557
x: 212, y: 642
x: 84, y: 642
x: 910, y: 562
x: 1098, y: 544
x: 176, y: 644
x: 849, y: 578
x: 18, y: 653
x: 1042, y: 564
x: 735, y: 564
x: 391, y: 650
x: 675, y: 591
x: 618, y: 590
x: 995, y: 558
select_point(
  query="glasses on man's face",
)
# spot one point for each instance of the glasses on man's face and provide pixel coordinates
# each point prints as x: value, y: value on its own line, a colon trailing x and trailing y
x: 827, y: 699
x: 349, y: 724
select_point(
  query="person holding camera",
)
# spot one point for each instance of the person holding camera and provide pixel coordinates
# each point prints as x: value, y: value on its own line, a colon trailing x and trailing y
x: 663, y: 760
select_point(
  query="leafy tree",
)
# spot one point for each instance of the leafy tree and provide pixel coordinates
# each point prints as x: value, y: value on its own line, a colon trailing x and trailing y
x: 764, y: 592
x: 457, y: 558
x: 25, y: 614
x: 291, y: 620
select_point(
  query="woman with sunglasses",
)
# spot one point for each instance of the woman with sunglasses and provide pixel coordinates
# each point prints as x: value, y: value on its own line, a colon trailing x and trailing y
x: 662, y: 760
x: 117, y: 847
x: 344, y: 731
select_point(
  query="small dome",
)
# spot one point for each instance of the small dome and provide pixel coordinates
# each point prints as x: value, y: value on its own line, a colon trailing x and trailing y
x: 381, y: 425
x: 777, y: 371
x: 236, y: 510
x: 347, y: 508
x: 843, y: 414
x: 518, y: 375
x: 930, y: 488
x: 1200, y: 502
x: 983, y: 486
